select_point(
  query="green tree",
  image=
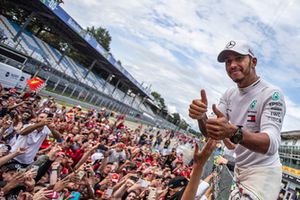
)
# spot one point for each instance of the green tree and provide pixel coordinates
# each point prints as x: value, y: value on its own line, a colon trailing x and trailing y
x: 176, y: 118
x: 183, y: 124
x: 159, y: 99
x: 13, y: 12
x: 101, y: 35
x: 194, y: 132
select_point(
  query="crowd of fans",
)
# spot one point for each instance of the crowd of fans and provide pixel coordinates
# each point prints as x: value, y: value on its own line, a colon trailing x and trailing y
x: 49, y: 151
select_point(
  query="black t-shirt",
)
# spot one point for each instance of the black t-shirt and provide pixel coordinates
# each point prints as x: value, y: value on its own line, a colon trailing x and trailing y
x: 170, y: 159
x: 3, y: 112
x: 13, y: 194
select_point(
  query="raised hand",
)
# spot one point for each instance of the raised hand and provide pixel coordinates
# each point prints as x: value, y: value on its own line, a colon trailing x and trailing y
x: 55, y: 165
x: 24, y: 196
x: 29, y: 182
x: 43, y: 194
x: 198, y: 108
x: 53, y: 152
x: 60, y: 185
x: 21, y: 150
x: 200, y: 157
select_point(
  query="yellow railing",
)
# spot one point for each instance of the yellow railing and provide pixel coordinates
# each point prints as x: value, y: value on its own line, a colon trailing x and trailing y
x: 290, y: 170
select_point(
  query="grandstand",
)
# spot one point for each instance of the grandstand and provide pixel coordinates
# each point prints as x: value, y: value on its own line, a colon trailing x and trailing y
x: 102, y: 83
x: 289, y: 153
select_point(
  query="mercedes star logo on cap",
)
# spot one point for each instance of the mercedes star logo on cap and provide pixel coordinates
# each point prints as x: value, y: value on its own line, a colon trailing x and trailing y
x: 230, y: 44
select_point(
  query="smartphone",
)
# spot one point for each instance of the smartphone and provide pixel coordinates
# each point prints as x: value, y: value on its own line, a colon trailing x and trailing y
x: 152, y: 193
x: 144, y: 183
x: 134, y: 178
x: 54, y: 195
x: 108, y: 193
x: 81, y: 174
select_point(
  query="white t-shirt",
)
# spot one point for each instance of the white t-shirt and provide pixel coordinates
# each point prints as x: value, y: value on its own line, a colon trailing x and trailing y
x: 116, y: 156
x: 32, y: 141
x: 204, y: 198
x: 202, y: 187
x: 259, y: 107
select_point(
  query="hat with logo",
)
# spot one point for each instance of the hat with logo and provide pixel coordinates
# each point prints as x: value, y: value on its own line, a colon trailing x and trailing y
x: 10, y: 167
x: 237, y: 46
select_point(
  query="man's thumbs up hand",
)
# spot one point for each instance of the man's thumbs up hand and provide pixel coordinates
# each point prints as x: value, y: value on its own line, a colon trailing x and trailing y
x: 198, y: 108
x: 219, y: 128
x: 217, y: 112
x: 203, y: 97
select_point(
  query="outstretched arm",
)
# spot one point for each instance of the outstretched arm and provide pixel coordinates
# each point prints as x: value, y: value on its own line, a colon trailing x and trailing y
x: 31, y: 128
x: 200, y: 158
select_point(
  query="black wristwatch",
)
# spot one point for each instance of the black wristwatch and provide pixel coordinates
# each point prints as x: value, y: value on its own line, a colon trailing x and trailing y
x: 238, y: 136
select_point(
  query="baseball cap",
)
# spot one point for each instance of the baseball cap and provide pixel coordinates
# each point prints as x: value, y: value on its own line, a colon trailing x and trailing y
x: 97, y: 156
x: 10, y: 167
x: 46, y: 143
x: 178, y: 181
x: 237, y: 46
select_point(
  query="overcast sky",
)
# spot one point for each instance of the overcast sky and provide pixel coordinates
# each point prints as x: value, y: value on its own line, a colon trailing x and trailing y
x: 173, y: 45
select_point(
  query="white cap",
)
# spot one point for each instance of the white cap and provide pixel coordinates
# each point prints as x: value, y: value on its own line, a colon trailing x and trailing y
x: 97, y: 156
x: 238, y: 46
